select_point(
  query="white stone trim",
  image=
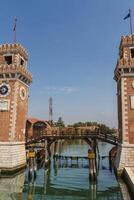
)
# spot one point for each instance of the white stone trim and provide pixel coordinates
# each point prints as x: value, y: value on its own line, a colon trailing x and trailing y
x: 23, y: 93
x: 126, y: 117
x: 124, y: 156
x: 16, y: 79
x: 13, y: 112
x: 126, y: 145
x: 9, y: 89
x: 2, y: 108
x: 126, y: 122
x: 124, y: 109
x: 12, y: 155
x: 11, y: 143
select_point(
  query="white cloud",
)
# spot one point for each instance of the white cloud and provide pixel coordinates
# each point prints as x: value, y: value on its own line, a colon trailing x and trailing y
x: 65, y: 89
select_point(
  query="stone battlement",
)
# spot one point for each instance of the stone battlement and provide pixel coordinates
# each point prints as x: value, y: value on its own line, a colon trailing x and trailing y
x: 126, y: 40
x: 14, y: 48
x: 15, y: 69
x: 122, y: 63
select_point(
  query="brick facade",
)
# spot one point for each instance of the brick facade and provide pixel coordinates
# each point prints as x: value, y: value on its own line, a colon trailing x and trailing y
x: 14, y: 85
x: 124, y: 75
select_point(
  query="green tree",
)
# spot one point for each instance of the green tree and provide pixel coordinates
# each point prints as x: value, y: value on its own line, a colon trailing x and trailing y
x: 102, y: 128
x: 60, y: 122
x: 105, y: 129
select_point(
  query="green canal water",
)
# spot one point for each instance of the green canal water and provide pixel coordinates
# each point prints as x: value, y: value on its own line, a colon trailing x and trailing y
x: 64, y: 181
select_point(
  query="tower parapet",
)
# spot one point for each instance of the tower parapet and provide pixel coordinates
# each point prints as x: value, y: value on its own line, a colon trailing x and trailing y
x: 125, y: 62
x: 14, y: 48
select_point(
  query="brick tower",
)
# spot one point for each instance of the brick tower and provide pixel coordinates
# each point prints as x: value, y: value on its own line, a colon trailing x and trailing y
x: 14, y: 84
x: 124, y: 76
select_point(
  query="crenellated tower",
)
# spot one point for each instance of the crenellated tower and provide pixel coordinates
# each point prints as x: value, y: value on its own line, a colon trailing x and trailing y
x: 14, y: 85
x: 124, y: 76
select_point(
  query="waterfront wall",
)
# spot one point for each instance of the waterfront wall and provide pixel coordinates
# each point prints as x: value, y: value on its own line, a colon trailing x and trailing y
x: 12, y: 155
x: 128, y: 176
x: 124, y: 157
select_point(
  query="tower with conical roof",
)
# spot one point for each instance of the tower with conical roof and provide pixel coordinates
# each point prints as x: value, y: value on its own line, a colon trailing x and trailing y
x: 14, y: 85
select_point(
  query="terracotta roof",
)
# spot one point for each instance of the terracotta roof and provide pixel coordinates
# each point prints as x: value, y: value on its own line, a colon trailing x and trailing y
x: 34, y: 120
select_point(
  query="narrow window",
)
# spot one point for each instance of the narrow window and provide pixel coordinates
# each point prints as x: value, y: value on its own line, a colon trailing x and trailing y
x: 121, y: 54
x: 8, y: 60
x: 21, y: 61
x: 132, y: 53
x: 132, y: 70
x: 126, y: 70
x: 13, y: 75
x: 7, y: 76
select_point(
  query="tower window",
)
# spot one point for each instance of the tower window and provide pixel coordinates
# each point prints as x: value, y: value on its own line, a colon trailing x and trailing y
x: 132, y: 70
x: 21, y: 61
x: 8, y: 60
x: 132, y: 53
x: 121, y: 54
x: 126, y: 70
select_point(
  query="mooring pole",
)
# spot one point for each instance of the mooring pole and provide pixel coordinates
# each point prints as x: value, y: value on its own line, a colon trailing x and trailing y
x: 93, y: 191
x: 95, y: 145
x: 48, y: 153
x: 92, y: 170
x: 32, y: 165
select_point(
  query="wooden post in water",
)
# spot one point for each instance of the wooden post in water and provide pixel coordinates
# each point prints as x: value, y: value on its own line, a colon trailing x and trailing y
x: 110, y: 161
x: 92, y: 165
x: 48, y: 153
x: 32, y: 165
x: 93, y: 191
x: 95, y: 151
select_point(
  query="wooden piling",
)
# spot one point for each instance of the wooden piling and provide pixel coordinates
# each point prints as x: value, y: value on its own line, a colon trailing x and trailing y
x: 32, y: 165
x: 92, y: 165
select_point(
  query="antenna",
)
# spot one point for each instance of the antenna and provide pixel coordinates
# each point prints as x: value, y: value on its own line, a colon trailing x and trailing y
x: 51, y: 110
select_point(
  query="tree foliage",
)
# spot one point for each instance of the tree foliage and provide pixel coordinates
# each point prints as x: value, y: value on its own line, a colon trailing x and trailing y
x: 102, y: 128
x: 60, y: 123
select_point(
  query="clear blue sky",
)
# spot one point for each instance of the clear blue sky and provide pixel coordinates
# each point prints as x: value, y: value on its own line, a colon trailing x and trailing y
x: 73, y: 48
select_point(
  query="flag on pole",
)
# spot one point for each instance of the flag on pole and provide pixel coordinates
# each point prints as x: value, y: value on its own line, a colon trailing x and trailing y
x: 14, y: 31
x: 130, y: 20
x: 127, y: 16
x: 14, y: 28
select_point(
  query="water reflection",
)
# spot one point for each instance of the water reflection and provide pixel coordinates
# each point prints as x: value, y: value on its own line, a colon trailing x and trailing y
x: 69, y: 182
x: 11, y: 187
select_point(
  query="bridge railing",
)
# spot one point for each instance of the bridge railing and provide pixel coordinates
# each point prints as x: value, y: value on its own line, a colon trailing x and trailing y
x: 70, y: 133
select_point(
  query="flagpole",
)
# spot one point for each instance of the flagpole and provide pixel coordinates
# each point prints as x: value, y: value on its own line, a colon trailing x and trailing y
x: 14, y: 30
x: 131, y: 29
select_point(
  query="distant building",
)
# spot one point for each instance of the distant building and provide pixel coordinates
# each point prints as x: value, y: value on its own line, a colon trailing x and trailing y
x: 36, y: 127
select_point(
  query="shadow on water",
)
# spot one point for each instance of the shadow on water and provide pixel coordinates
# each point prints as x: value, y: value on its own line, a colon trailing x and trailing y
x: 63, y: 181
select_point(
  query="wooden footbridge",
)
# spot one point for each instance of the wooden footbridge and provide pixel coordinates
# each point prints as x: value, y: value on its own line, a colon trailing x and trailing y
x: 91, y: 137
x: 87, y: 136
